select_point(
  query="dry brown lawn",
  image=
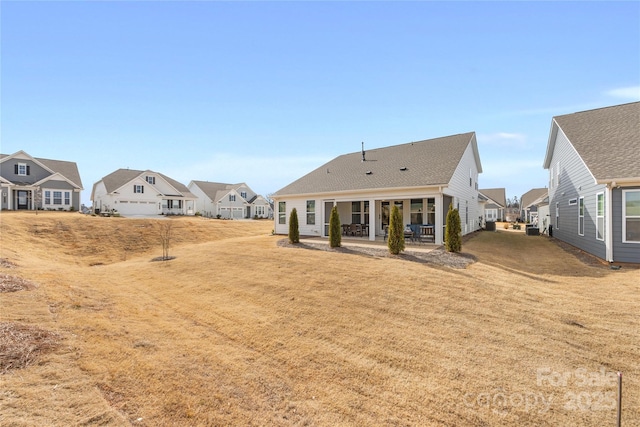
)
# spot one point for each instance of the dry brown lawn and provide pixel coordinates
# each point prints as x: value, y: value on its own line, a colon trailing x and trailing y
x: 238, y: 330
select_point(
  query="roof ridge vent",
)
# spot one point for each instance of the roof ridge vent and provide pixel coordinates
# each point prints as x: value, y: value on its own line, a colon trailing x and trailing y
x: 404, y: 168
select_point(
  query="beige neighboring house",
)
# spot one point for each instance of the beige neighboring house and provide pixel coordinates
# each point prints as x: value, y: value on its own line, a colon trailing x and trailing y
x: 136, y: 192
x: 29, y: 183
x: 229, y: 201
x: 421, y: 178
x: 495, y: 204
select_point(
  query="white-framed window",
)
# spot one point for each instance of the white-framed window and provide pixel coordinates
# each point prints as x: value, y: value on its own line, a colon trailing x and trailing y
x: 57, y: 197
x: 137, y: 188
x: 581, y: 216
x: 600, y: 216
x: 558, y: 174
x: 22, y: 169
x: 260, y: 210
x: 551, y: 177
x: 174, y: 204
x: 232, y: 197
x: 631, y: 216
x: 151, y: 180
x: 67, y: 198
x: 282, y: 212
x: 243, y: 194
x: 557, y: 215
x: 311, y: 212
x: 47, y: 197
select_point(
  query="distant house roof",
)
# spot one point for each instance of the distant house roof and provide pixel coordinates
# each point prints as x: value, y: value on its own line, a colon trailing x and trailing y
x: 416, y: 164
x: 498, y: 195
x: 532, y: 196
x: 607, y: 140
x: 67, y: 169
x: 121, y: 177
x: 217, y: 190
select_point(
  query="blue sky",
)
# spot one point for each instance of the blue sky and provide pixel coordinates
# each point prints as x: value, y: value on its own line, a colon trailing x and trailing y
x: 264, y: 92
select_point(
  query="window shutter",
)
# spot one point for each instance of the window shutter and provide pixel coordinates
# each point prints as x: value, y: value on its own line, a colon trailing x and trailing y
x: 28, y: 170
x: 15, y: 169
x: 142, y: 188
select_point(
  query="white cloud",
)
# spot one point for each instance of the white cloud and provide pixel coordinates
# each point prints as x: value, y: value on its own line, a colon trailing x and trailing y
x: 630, y: 92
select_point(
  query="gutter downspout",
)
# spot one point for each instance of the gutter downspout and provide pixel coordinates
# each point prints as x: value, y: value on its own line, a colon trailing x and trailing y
x: 609, y: 222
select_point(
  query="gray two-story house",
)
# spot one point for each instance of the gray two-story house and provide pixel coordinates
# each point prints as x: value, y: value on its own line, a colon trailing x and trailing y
x: 593, y: 158
x: 29, y: 183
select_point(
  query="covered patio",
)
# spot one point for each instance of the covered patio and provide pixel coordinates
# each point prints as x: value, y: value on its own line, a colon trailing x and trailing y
x: 423, y: 218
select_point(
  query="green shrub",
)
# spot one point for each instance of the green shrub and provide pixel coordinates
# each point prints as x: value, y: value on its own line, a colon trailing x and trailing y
x: 453, y: 242
x: 335, y: 235
x: 395, y: 241
x: 294, y: 232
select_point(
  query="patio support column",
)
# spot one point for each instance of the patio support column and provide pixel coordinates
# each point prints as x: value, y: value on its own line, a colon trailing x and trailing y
x: 372, y: 219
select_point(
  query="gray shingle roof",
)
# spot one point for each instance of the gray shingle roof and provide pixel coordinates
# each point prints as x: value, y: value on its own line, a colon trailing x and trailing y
x: 428, y: 162
x: 216, y: 190
x: 498, y: 195
x: 67, y: 169
x: 120, y: 177
x: 531, y: 196
x: 607, y: 139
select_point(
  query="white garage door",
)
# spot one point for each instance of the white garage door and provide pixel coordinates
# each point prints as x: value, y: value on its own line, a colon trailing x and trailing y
x: 137, y: 208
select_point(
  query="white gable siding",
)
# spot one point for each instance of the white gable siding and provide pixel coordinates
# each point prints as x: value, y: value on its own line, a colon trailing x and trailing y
x: 204, y: 204
x: 464, y: 193
x: 301, y: 207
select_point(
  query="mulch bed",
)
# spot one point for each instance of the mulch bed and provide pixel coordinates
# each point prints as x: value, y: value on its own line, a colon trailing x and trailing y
x: 21, y: 345
x: 437, y: 256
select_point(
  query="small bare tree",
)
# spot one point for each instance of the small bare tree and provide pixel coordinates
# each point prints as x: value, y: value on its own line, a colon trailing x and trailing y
x: 165, y: 238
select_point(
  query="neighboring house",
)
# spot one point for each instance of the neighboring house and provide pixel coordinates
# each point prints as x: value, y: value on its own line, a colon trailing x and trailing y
x: 33, y: 183
x: 529, y: 203
x: 135, y: 192
x: 495, y: 205
x: 421, y: 178
x: 229, y: 200
x: 593, y: 158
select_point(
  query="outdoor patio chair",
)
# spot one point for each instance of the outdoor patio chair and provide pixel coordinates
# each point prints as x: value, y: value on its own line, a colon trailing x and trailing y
x: 427, y: 234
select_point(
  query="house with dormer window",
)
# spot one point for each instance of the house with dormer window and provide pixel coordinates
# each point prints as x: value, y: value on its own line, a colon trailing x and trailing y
x: 229, y: 201
x: 135, y: 192
x: 29, y: 183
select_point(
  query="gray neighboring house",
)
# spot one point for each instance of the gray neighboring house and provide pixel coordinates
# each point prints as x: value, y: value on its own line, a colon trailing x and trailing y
x: 230, y: 201
x: 420, y: 178
x: 593, y: 158
x: 29, y: 183
x: 529, y: 203
x: 136, y: 192
x: 495, y: 205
